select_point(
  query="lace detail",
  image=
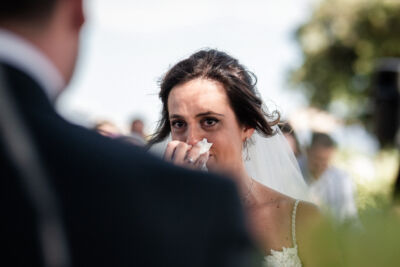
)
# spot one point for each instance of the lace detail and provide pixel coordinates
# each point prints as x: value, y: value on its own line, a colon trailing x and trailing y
x: 288, y: 257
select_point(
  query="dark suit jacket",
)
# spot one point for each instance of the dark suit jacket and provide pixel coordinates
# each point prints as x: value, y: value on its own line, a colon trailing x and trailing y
x: 120, y: 205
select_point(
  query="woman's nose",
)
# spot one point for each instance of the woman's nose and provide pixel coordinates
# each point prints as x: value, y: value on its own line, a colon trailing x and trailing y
x: 193, y: 136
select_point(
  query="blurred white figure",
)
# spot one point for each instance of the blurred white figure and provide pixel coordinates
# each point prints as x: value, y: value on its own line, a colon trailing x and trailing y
x: 330, y: 188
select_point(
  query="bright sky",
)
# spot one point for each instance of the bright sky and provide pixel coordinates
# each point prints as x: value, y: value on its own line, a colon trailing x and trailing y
x: 128, y: 45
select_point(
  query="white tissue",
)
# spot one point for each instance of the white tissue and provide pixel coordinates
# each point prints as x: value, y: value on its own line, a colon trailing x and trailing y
x: 204, y: 146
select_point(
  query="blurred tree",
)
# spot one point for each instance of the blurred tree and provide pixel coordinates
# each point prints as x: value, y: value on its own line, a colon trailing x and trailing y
x: 340, y: 45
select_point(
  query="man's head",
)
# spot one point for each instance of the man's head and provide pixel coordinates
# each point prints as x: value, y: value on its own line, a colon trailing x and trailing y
x: 26, y: 10
x: 320, y: 153
x: 53, y: 26
x: 137, y: 126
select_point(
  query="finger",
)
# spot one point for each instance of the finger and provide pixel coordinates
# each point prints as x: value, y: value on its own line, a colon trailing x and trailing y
x: 192, y: 155
x: 180, y: 153
x: 169, y: 151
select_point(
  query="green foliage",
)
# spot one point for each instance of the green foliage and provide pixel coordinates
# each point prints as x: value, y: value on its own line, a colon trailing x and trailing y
x: 340, y: 45
x: 375, y: 242
x: 374, y: 176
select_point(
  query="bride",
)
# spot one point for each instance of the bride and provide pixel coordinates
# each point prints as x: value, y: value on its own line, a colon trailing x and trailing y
x: 211, y: 95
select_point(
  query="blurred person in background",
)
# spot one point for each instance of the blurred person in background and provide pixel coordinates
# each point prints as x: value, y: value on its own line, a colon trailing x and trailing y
x: 107, y: 128
x: 330, y: 187
x: 119, y: 205
x: 386, y: 98
x: 137, y: 135
x: 291, y: 137
x: 137, y: 127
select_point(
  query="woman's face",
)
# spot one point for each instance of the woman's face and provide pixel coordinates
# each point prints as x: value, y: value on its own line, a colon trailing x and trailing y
x: 200, y: 109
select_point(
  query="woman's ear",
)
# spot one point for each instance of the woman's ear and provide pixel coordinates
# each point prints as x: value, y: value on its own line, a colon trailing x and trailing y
x: 247, y: 132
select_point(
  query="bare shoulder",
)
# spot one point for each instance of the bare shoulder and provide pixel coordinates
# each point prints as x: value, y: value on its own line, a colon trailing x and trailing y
x: 278, y: 205
x: 271, y: 221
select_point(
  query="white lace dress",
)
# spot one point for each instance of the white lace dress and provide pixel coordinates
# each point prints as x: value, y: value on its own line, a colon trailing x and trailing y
x: 288, y: 257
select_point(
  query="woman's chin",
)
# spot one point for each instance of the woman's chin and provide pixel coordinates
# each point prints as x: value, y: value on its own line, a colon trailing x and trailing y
x: 214, y: 166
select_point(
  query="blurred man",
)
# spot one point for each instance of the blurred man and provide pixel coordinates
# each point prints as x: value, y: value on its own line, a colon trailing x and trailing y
x: 291, y: 138
x: 119, y: 205
x: 137, y: 135
x: 330, y: 187
x: 137, y: 127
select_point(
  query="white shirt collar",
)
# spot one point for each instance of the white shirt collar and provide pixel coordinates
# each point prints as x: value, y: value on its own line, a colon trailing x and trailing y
x: 21, y: 54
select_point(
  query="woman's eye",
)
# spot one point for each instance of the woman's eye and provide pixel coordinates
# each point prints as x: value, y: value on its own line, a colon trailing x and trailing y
x: 178, y: 124
x: 209, y: 122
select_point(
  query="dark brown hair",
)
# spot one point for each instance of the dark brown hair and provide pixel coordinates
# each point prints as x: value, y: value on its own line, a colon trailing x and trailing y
x: 26, y: 10
x: 322, y: 140
x: 286, y: 128
x: 239, y: 83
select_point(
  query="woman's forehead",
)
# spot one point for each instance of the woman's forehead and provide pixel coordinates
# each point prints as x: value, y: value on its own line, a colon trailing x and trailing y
x: 198, y: 94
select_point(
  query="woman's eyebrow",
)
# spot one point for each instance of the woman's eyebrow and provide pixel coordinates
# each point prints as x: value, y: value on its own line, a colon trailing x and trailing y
x: 175, y: 116
x: 209, y: 113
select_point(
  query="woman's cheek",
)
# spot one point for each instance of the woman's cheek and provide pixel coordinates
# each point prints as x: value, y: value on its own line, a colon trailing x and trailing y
x: 212, y: 162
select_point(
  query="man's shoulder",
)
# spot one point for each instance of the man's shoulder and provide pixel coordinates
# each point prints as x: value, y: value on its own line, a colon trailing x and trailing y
x: 338, y: 175
x: 118, y: 154
x: 338, y: 172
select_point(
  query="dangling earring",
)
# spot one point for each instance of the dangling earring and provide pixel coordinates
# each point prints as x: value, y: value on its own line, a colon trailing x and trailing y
x: 246, y: 148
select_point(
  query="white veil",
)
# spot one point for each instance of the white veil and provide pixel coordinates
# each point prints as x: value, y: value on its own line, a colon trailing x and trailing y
x: 268, y: 160
x: 271, y: 161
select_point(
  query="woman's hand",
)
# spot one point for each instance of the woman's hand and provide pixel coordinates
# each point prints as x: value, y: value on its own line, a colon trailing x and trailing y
x: 185, y: 155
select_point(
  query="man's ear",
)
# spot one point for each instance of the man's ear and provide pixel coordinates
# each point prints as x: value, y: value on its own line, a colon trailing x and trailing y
x: 78, y: 13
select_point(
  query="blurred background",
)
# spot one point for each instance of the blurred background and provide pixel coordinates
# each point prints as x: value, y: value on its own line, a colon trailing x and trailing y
x: 327, y: 65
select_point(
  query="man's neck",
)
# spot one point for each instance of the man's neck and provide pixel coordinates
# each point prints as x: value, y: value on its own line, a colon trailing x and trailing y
x: 22, y: 53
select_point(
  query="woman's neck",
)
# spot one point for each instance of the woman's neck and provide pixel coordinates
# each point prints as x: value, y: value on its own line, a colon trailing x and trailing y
x: 245, y: 184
